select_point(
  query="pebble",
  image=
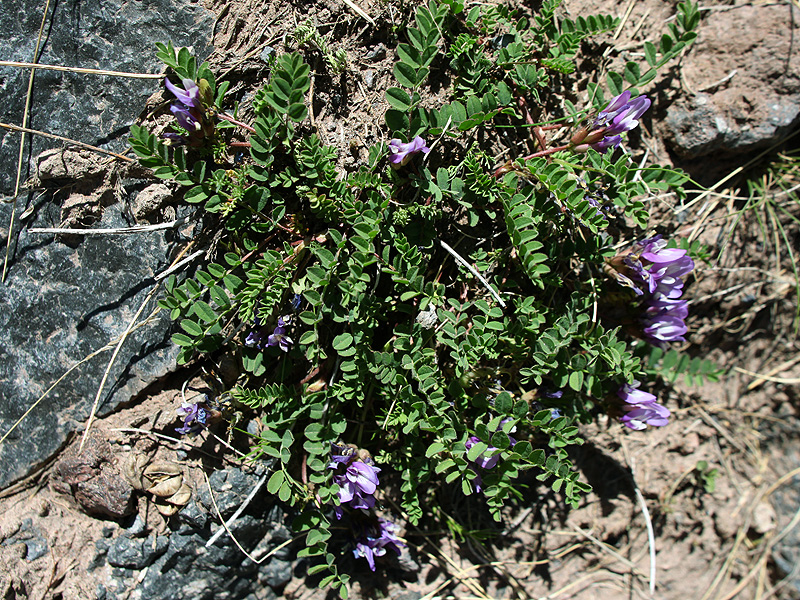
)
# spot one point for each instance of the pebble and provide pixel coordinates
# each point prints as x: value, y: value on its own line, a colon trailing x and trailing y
x: 36, y: 549
x: 377, y: 53
x: 369, y: 79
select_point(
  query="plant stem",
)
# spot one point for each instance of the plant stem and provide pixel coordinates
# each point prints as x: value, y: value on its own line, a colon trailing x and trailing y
x: 226, y: 117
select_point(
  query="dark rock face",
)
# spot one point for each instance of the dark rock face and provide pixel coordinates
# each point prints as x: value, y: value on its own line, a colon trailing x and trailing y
x: 96, y: 109
x: 786, y: 499
x: 742, y: 79
x: 181, y: 567
x: 59, y: 304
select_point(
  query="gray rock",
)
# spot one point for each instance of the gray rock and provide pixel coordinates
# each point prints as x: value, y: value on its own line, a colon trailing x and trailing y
x: 114, y: 35
x: 377, y: 54
x: 131, y: 553
x: 61, y: 304
x: 276, y: 573
x: 151, y: 200
x: 701, y: 125
x: 786, y: 499
x: 231, y: 487
x: 37, y: 548
x: 743, y: 90
x: 193, y: 516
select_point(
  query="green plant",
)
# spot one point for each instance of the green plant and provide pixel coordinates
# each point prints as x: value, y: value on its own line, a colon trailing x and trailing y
x: 436, y: 320
x: 706, y: 476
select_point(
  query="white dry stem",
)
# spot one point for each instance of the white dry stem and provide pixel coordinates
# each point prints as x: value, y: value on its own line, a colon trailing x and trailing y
x: 651, y: 538
x: 472, y: 270
x: 20, y: 156
x: 238, y: 512
x: 67, y: 140
x: 258, y: 561
x: 176, y: 264
x: 26, y: 65
x: 734, y: 173
x: 359, y: 10
x: 110, y: 231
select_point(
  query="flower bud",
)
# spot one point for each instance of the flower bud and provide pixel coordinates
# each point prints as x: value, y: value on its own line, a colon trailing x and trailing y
x: 579, y: 136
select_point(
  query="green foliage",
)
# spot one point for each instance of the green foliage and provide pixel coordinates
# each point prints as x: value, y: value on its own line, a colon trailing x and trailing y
x: 706, y: 476
x: 671, y: 364
x: 307, y: 35
x: 397, y: 347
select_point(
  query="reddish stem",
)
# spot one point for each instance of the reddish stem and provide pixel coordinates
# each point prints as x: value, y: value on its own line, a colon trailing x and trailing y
x: 546, y: 152
x: 230, y: 119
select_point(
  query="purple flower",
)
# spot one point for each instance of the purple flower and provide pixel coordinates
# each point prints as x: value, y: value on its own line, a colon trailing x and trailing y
x: 490, y: 457
x: 278, y: 336
x: 194, y: 418
x: 656, y: 273
x: 189, y: 96
x: 185, y: 118
x: 375, y: 539
x: 620, y: 115
x: 402, y: 153
x: 641, y: 408
x: 356, y: 477
x: 664, y: 328
x: 483, y: 461
x: 630, y: 394
x: 189, y: 112
x: 638, y: 417
x: 622, y: 118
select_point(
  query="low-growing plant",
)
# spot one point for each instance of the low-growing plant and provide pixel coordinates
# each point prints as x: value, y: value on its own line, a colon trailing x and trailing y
x: 431, y: 317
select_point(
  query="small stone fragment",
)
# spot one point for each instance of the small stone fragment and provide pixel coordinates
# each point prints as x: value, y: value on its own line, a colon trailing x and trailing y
x: 764, y: 518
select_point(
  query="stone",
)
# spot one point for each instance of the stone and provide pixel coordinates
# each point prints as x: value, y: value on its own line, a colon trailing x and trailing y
x: 114, y: 35
x: 131, y: 553
x: 37, y: 548
x: 377, y: 54
x: 93, y: 478
x: 369, y: 79
x: 151, y: 200
x: 276, y: 573
x: 744, y: 89
x: 62, y: 304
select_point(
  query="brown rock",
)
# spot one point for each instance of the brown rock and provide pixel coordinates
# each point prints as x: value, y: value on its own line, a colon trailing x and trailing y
x: 94, y: 479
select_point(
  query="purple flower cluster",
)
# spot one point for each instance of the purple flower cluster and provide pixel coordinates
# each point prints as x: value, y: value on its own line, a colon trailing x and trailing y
x: 621, y: 115
x: 375, y: 539
x: 641, y: 408
x: 260, y: 338
x: 356, y: 476
x: 194, y: 418
x: 189, y: 112
x: 657, y: 273
x: 402, y: 153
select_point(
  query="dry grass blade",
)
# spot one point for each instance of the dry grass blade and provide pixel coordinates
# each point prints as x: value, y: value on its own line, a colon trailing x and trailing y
x: 226, y: 528
x: 60, y: 138
x: 117, y: 231
x: 359, y: 10
x: 238, y: 512
x: 763, y: 378
x: 472, y: 270
x: 11, y: 63
x: 26, y: 112
x: 85, y: 359
x: 176, y: 262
